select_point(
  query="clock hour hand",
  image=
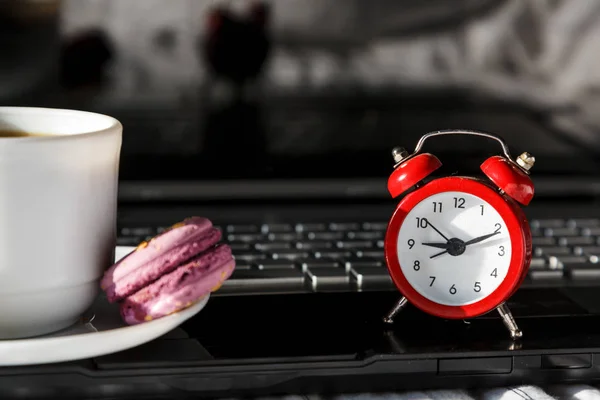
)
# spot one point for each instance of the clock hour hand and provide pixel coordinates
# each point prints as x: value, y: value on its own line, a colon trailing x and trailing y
x: 480, y: 238
x: 439, y: 254
x: 437, y: 245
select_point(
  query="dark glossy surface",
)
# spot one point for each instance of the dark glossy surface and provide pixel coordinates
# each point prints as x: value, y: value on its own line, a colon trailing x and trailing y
x: 326, y: 137
x: 317, y: 343
x: 348, y: 325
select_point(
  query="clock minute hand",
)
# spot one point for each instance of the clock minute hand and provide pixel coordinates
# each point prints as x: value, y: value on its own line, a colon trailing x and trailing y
x: 436, y: 229
x: 437, y: 245
x: 480, y: 238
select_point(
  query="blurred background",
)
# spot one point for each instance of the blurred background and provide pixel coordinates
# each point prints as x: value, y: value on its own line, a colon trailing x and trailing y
x: 309, y: 77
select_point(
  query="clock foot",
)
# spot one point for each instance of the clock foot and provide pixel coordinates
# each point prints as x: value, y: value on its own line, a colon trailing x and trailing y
x: 389, y: 318
x: 509, y: 321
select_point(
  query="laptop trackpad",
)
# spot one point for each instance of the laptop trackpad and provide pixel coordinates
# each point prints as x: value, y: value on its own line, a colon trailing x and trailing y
x: 554, y: 302
x: 587, y: 298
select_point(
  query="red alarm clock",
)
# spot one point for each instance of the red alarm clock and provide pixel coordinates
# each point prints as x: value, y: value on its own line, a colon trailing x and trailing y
x: 458, y: 247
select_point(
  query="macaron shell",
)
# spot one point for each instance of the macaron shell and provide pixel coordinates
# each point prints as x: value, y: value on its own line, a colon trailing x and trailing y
x: 180, y: 288
x: 159, y: 256
x: 166, y: 240
x: 164, y: 263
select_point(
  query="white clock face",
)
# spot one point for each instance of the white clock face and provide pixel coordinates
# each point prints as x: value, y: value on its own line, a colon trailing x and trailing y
x: 435, y: 253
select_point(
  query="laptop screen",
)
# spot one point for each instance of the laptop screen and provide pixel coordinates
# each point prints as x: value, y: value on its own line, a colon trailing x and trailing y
x: 319, y: 137
x: 309, y: 89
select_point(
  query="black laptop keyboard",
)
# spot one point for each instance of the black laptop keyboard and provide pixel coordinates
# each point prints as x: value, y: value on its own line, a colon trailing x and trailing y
x: 330, y: 256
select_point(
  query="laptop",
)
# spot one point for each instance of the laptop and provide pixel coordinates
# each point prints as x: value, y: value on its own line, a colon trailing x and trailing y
x: 296, y: 179
x: 302, y: 312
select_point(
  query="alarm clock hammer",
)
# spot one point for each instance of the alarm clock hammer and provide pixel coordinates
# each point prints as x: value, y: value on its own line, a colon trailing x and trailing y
x: 477, y: 275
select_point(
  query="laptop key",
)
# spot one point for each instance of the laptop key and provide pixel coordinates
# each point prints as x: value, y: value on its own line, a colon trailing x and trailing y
x: 543, y: 241
x: 583, y: 271
x: 239, y: 265
x: 561, y: 232
x: 254, y: 280
x: 314, y: 245
x: 547, y: 223
x: 355, y: 244
x: 239, y: 246
x: 576, y: 241
x: 583, y: 222
x: 551, y: 251
x: 283, y: 237
x: 336, y: 226
x: 310, y: 227
x: 325, y: 235
x: 365, y: 235
x: 269, y: 228
x: 591, y: 231
x: 275, y: 264
x: 249, y: 257
x: 541, y: 275
x: 290, y: 255
x: 336, y: 255
x: 246, y: 237
x: 318, y: 264
x: 323, y: 279
x: 376, y: 254
x: 564, y: 260
x: 273, y: 246
x: 375, y: 226
x: 242, y: 228
x: 538, y: 263
x: 363, y: 263
x: 366, y: 278
x: 588, y: 250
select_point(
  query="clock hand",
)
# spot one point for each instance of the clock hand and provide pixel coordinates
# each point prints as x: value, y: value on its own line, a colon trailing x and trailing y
x: 435, y: 229
x: 457, y: 247
x: 438, y: 245
x: 439, y: 254
x: 480, y: 238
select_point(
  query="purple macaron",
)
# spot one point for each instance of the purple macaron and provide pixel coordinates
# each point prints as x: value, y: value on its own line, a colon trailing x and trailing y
x: 159, y: 256
x: 180, y: 288
x: 172, y: 271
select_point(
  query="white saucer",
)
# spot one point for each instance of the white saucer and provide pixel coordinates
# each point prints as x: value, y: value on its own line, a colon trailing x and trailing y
x: 100, y: 331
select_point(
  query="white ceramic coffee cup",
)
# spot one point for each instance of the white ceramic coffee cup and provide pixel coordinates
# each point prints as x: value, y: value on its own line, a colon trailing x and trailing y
x: 58, y: 200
